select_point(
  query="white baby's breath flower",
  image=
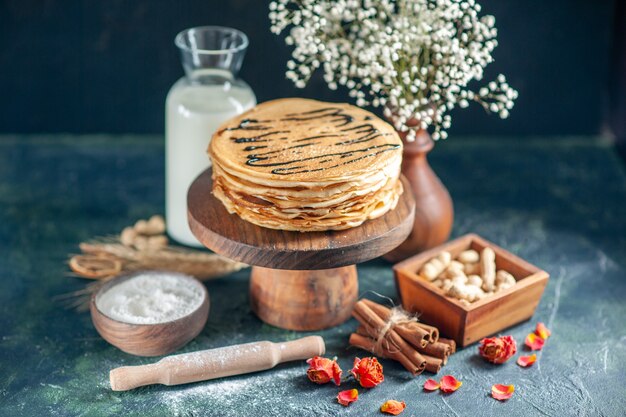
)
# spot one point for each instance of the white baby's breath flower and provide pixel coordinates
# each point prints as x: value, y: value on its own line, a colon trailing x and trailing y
x: 414, y: 58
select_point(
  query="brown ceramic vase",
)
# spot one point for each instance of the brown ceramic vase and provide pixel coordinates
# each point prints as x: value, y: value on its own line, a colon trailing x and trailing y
x: 433, y: 206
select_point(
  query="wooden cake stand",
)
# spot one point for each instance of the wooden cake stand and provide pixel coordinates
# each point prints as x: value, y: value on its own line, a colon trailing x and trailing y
x: 299, y: 281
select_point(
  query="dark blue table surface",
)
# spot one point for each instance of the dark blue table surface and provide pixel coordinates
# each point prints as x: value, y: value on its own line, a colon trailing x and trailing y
x: 558, y: 202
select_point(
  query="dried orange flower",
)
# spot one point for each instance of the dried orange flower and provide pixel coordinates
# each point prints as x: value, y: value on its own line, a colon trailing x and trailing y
x: 393, y: 407
x: 431, y: 385
x: 368, y: 371
x: 542, y: 331
x: 449, y: 383
x: 497, y: 349
x: 347, y: 397
x: 502, y: 392
x: 526, y: 361
x: 323, y: 370
x: 534, y: 342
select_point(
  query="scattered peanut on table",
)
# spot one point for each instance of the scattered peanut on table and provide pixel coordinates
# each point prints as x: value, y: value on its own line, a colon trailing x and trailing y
x: 145, y: 235
x: 470, y: 277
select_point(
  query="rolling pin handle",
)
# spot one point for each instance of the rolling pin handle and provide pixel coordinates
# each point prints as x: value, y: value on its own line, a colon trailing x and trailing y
x: 302, y: 349
x: 130, y: 377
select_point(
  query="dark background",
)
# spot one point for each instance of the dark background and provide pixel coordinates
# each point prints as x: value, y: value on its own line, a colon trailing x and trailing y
x: 83, y: 66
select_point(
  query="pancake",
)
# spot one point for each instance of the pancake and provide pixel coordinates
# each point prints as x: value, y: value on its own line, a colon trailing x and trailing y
x: 305, y: 165
x: 336, y: 218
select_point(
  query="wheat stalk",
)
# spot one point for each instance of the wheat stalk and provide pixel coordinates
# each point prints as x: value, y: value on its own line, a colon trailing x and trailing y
x: 100, y: 254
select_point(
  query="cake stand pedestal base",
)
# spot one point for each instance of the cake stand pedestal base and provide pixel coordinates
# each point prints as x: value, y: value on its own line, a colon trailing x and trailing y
x: 303, y: 300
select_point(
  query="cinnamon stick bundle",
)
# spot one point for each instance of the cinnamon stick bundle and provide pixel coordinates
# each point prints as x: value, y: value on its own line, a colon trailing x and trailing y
x: 393, y: 334
x: 415, y: 335
x: 373, y: 324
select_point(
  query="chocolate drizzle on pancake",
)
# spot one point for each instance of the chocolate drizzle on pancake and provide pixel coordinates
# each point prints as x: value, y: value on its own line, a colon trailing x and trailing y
x: 297, y: 169
x: 335, y: 113
x: 257, y: 138
x: 283, y: 157
x: 245, y: 125
x: 252, y: 148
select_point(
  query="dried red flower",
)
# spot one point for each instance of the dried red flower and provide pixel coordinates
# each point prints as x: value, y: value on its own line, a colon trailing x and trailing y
x: 323, y: 370
x: 542, y: 331
x: 534, y: 342
x: 347, y: 397
x: 431, y: 385
x: 449, y: 383
x: 393, y: 407
x: 502, y: 392
x: 526, y: 361
x: 368, y: 371
x: 497, y: 349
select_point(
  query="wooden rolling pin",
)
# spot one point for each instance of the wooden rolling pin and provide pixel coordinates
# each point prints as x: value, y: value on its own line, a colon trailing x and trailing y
x: 215, y: 363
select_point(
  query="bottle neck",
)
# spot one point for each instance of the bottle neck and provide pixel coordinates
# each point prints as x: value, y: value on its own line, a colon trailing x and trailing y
x: 209, y: 76
x: 211, y: 54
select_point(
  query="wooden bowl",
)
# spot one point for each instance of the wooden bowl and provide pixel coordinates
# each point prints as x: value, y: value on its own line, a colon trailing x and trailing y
x: 467, y: 324
x: 149, y: 339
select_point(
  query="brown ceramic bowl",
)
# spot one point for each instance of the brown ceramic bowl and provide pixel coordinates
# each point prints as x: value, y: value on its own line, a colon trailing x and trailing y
x: 467, y: 324
x: 150, y: 339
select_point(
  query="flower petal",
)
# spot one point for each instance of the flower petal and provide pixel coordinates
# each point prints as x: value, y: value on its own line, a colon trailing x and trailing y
x: 542, y: 331
x: 431, y: 385
x: 502, y: 392
x: 336, y: 371
x: 347, y: 397
x: 534, y: 342
x: 449, y: 383
x: 525, y: 361
x: 393, y: 407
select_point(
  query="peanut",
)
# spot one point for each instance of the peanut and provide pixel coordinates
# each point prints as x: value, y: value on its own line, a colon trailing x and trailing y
x: 433, y: 268
x: 156, y: 224
x: 473, y: 293
x: 141, y: 226
x: 472, y: 269
x: 456, y: 291
x: 127, y: 237
x: 469, y: 257
x: 157, y: 242
x: 141, y: 243
x: 504, y: 277
x: 459, y: 280
x: 454, y: 269
x: 488, y: 268
x: 475, y: 280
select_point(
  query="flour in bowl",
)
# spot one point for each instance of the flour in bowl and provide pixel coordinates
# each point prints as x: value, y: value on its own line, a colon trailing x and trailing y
x: 151, y: 297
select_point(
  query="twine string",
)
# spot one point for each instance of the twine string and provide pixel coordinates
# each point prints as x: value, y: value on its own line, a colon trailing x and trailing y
x: 398, y: 316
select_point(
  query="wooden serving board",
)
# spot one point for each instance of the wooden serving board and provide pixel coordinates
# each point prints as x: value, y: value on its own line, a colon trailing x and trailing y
x: 237, y: 239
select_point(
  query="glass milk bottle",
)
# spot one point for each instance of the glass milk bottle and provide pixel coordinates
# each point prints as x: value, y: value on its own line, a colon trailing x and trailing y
x: 209, y: 94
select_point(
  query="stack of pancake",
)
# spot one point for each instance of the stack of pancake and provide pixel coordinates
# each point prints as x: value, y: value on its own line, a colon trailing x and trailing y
x: 305, y: 165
